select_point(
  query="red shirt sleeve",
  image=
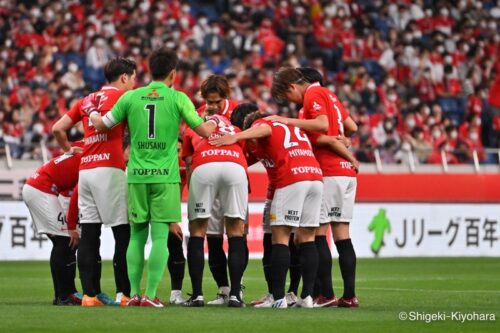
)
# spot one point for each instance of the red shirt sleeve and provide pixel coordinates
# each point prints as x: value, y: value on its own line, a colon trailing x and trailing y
x: 72, y: 216
x: 261, y: 121
x: 315, y: 104
x: 74, y: 112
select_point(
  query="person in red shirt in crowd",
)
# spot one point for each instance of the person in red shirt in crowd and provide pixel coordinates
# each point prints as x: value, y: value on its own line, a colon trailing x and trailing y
x: 324, y: 113
x: 473, y: 143
x: 494, y: 112
x: 102, y: 185
x: 351, y: 50
x: 215, y: 91
x: 296, y: 201
x: 373, y: 46
x: 216, y: 173
x: 42, y: 194
x: 443, y: 23
x: 450, y: 86
x: 475, y: 103
x: 446, y: 143
x: 425, y: 88
x: 426, y: 23
x: 473, y: 123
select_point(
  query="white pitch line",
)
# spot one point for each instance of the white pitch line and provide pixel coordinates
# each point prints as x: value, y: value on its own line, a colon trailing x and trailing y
x: 431, y: 290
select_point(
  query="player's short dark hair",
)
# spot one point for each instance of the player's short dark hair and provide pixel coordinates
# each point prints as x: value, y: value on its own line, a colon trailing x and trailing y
x: 117, y: 67
x: 282, y: 80
x: 251, y: 118
x: 311, y: 75
x: 215, y: 84
x: 240, y: 112
x: 162, y: 61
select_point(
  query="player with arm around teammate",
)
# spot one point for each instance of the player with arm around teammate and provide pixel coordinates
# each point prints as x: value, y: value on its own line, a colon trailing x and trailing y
x: 324, y: 114
x: 102, y: 195
x: 216, y: 92
x: 153, y: 114
x: 296, y: 201
x: 217, y: 174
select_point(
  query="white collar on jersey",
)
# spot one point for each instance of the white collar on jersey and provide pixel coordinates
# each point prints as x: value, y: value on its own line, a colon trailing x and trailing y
x: 109, y: 88
x: 315, y: 84
x: 226, y: 107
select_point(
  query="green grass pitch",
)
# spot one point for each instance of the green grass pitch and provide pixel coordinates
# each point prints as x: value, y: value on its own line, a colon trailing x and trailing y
x: 385, y: 287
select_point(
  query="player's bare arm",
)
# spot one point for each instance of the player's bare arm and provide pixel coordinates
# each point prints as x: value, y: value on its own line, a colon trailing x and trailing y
x: 256, y: 132
x: 59, y: 130
x: 318, y: 124
x: 350, y: 127
x: 338, y: 147
x: 206, y: 128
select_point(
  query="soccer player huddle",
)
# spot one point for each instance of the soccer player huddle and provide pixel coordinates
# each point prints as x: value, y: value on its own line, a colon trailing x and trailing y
x: 312, y: 186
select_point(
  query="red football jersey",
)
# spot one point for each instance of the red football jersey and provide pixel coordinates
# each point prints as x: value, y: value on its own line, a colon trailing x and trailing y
x: 101, y: 149
x: 290, y: 150
x: 58, y: 175
x: 227, y: 110
x: 257, y: 152
x: 321, y: 101
x: 182, y: 172
x: 72, y: 215
x: 203, y: 152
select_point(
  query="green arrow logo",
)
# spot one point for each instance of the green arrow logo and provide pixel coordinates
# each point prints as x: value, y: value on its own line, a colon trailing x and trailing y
x: 379, y: 225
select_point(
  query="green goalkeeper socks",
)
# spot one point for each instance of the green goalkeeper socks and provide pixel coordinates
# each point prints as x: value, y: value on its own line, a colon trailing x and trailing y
x: 157, y: 258
x: 135, y: 255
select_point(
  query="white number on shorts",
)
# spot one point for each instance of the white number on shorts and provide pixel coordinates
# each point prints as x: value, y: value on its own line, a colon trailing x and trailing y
x: 151, y: 108
x: 287, y: 142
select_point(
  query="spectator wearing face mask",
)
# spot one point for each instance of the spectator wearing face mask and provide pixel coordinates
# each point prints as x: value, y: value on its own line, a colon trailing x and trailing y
x: 73, y: 78
x: 421, y: 148
x: 369, y: 96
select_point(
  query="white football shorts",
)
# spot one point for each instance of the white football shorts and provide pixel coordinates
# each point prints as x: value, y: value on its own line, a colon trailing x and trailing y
x: 297, y: 205
x: 225, y: 181
x: 339, y: 194
x: 102, y: 196
x: 47, y: 212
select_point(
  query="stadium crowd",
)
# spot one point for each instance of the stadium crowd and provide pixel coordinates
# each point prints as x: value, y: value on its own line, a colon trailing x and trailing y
x: 419, y: 75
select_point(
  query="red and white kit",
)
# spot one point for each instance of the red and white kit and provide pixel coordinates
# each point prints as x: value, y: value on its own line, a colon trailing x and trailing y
x: 339, y: 175
x: 217, y: 173
x: 46, y: 191
x: 102, y: 178
x: 216, y: 220
x: 297, y: 175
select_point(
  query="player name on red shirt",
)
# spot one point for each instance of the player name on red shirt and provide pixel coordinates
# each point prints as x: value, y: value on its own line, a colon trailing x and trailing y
x: 321, y: 101
x: 100, y: 149
x: 290, y: 151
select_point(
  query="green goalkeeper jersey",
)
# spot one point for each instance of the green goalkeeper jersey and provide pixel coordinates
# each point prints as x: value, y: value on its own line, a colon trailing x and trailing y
x: 153, y: 114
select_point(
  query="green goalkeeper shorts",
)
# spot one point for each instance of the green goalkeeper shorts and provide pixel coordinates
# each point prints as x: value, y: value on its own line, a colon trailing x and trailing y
x: 154, y: 203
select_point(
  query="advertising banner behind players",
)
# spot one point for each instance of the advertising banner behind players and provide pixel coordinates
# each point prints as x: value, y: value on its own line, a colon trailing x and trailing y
x: 380, y: 230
